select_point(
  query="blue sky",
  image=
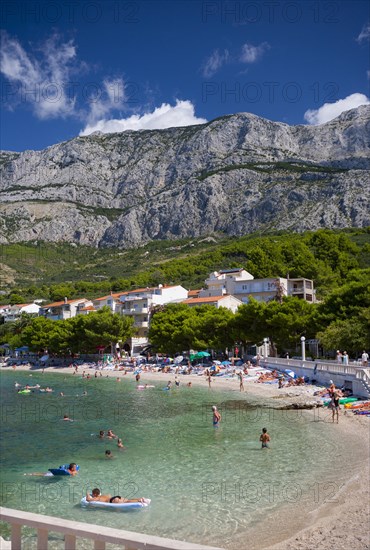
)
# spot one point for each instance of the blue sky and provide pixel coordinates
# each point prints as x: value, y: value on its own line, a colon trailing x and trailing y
x: 70, y: 67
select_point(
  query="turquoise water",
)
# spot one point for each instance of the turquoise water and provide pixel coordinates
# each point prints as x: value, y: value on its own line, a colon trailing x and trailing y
x: 207, y: 484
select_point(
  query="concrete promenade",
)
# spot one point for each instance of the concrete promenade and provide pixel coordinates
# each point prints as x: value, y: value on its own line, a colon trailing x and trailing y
x: 352, y: 377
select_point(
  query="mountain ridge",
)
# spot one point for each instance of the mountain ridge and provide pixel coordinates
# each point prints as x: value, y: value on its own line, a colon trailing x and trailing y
x: 236, y: 174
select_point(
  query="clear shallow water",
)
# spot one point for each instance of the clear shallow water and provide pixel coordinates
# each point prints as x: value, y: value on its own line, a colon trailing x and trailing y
x: 206, y: 484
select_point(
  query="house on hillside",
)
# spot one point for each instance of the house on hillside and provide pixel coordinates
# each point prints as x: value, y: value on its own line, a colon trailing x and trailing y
x: 14, y: 312
x: 112, y: 301
x: 140, y: 304
x: 65, y: 309
x: 242, y: 285
x: 226, y: 300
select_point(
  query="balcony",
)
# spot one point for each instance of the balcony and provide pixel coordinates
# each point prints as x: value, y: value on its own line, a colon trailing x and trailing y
x: 138, y: 310
x: 141, y: 324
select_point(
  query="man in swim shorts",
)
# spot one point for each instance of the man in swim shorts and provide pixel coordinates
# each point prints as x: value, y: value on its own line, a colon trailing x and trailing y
x: 96, y: 496
x: 265, y: 439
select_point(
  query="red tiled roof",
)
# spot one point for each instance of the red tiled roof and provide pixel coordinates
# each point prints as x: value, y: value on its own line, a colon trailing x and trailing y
x: 193, y: 292
x: 88, y: 308
x: 137, y: 290
x: 56, y: 304
x: 115, y: 295
x: 205, y: 299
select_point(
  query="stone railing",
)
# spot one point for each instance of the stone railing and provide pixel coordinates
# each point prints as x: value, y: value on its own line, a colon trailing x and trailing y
x: 98, y: 534
x: 323, y: 371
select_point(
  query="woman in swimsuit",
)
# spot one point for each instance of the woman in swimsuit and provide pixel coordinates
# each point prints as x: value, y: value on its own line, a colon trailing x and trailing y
x: 335, y: 404
x: 216, y: 416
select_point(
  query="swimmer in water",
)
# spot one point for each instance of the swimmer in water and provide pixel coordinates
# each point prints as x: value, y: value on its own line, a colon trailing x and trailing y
x: 108, y: 454
x: 72, y: 470
x: 119, y: 443
x: 120, y: 500
x: 216, y: 416
x: 97, y: 496
x: 265, y: 439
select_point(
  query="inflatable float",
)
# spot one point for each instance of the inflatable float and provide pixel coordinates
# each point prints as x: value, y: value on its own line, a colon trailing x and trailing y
x: 62, y: 470
x: 144, y: 387
x: 115, y: 506
x: 358, y: 405
x: 23, y: 392
x: 342, y: 401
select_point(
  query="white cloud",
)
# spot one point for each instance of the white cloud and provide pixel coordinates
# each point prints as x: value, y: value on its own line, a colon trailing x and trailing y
x: 111, y: 96
x: 331, y: 110
x: 165, y: 116
x: 248, y: 54
x: 41, y: 82
x: 215, y: 61
x: 251, y: 54
x: 364, y: 35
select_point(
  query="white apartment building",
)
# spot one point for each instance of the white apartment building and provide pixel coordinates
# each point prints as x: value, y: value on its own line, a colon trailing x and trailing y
x: 14, y: 312
x: 243, y: 285
x: 139, y: 304
x: 112, y: 300
x: 64, y: 309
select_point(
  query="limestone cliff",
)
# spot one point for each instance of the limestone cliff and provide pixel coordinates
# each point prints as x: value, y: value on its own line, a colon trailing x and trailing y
x: 236, y: 174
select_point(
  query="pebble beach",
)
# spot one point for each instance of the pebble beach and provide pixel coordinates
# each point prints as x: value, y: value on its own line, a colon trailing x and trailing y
x: 341, y: 522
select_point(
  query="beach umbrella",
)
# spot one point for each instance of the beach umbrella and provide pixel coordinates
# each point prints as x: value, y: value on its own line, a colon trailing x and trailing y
x: 226, y: 363
x: 201, y: 354
x: 178, y: 359
x: 44, y: 358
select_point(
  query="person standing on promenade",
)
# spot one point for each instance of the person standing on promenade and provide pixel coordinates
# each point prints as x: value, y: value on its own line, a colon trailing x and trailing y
x: 345, y: 358
x: 364, y: 358
x: 339, y: 357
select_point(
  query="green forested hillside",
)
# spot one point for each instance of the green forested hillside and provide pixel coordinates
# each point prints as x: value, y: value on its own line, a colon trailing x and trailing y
x: 52, y: 272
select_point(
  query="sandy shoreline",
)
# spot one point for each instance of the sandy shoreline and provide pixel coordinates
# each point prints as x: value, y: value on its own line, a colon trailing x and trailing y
x: 339, y: 524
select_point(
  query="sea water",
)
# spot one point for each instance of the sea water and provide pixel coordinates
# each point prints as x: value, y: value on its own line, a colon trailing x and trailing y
x: 207, y: 484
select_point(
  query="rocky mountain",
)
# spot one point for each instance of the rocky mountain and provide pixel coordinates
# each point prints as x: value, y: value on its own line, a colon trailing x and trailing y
x: 237, y: 174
